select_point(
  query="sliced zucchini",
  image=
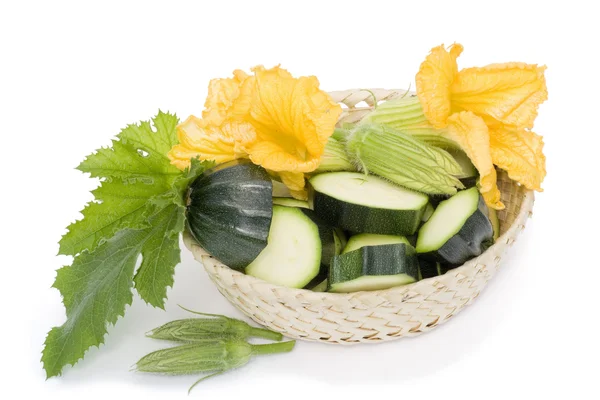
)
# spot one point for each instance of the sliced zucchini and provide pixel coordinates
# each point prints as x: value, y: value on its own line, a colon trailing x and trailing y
x: 428, y: 212
x: 370, y: 239
x: 366, y: 204
x: 292, y: 257
x: 469, y: 175
x: 467, y: 167
x: 321, y: 287
x: 290, y: 202
x: 493, y: 216
x: 429, y: 269
x: 229, y: 212
x: 373, y: 268
x: 458, y: 230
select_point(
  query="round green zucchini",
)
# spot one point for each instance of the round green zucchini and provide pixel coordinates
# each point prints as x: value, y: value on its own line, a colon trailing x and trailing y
x: 229, y: 211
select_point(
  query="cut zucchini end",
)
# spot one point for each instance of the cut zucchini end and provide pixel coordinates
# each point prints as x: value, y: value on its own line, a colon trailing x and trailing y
x: 290, y: 202
x: 371, y: 239
x: 368, y: 191
x: 447, y: 220
x: 292, y: 257
x: 369, y: 283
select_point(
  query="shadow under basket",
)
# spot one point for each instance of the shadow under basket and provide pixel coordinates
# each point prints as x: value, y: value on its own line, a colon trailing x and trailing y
x: 375, y: 316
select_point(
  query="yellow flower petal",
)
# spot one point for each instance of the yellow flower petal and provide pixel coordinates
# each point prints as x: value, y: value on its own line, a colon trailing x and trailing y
x: 434, y: 79
x: 222, y: 96
x: 291, y: 117
x: 520, y: 153
x: 295, y: 182
x: 471, y: 133
x: 198, y: 138
x: 510, y: 93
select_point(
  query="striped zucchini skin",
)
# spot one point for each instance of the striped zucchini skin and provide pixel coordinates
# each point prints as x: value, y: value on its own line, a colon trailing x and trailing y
x: 357, y: 218
x: 475, y: 236
x: 383, y: 260
x: 229, y: 212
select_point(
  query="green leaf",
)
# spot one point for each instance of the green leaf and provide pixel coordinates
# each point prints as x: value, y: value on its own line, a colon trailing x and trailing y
x: 161, y: 254
x: 123, y: 204
x: 139, y: 210
x: 97, y: 286
x: 136, y: 168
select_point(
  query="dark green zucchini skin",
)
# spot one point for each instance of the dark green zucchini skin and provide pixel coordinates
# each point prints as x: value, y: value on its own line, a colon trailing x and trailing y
x: 229, y: 211
x: 357, y: 218
x: 329, y: 248
x: 436, y: 199
x: 387, y: 259
x: 323, y: 273
x: 474, y: 238
x: 428, y: 268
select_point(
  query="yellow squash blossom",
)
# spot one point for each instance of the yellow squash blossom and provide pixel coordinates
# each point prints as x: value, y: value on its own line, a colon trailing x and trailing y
x: 209, y: 142
x: 488, y: 111
x: 280, y: 122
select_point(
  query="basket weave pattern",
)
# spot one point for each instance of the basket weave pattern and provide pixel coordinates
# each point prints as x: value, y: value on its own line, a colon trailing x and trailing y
x: 378, y: 315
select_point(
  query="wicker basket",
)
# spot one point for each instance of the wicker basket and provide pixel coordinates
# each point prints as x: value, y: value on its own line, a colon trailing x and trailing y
x: 368, y: 317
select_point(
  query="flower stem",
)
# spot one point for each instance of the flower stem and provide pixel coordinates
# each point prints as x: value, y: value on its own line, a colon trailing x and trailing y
x: 265, y: 334
x: 272, y: 348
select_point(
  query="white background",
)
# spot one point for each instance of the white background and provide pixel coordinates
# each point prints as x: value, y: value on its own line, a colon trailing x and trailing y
x: 73, y: 74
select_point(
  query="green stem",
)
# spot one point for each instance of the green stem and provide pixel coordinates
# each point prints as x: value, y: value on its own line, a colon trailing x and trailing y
x: 272, y: 348
x: 265, y: 334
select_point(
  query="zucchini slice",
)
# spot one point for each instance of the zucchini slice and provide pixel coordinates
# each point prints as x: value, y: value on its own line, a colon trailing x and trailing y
x: 373, y: 262
x: 321, y: 287
x: 469, y: 175
x: 428, y: 212
x: 290, y: 202
x: 292, y: 257
x: 458, y: 230
x: 229, y: 211
x: 429, y: 269
x: 369, y: 239
x: 366, y: 204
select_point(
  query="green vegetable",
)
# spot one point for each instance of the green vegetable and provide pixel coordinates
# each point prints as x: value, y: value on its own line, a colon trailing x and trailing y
x: 213, y: 356
x: 290, y: 202
x: 374, y: 267
x: 368, y: 239
x: 403, y: 159
x: 214, y: 327
x: 293, y: 256
x: 335, y: 158
x: 229, y: 212
x: 365, y: 203
x: 139, y: 210
x: 428, y: 212
x: 458, y: 230
x: 429, y: 269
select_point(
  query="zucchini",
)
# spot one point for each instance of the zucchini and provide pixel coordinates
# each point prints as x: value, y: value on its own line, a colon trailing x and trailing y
x: 373, y: 262
x: 331, y: 244
x: 493, y: 216
x: 362, y: 203
x: 321, y: 287
x: 290, y: 202
x: 469, y: 175
x: 292, y: 257
x: 458, y: 230
x: 428, y: 212
x: 429, y: 269
x: 368, y: 239
x: 229, y: 211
